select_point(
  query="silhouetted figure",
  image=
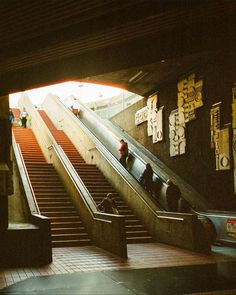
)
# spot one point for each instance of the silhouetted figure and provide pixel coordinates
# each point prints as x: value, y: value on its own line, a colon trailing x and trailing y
x: 156, y: 186
x: 108, y: 205
x: 124, y: 152
x: 11, y: 116
x: 183, y: 206
x: 146, y: 178
x: 173, y: 195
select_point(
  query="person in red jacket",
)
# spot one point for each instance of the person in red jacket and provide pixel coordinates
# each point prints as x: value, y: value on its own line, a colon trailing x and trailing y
x: 123, y: 152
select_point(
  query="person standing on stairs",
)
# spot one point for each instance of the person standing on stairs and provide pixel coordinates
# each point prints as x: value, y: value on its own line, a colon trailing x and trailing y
x: 75, y: 107
x: 23, y: 117
x: 108, y: 205
x: 124, y: 152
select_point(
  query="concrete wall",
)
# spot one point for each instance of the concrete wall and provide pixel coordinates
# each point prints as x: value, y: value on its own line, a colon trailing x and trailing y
x: 17, y: 207
x: 197, y: 165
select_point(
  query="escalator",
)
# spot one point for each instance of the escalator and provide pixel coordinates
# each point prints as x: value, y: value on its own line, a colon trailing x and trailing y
x: 222, y: 222
x: 52, y: 198
x: 98, y: 186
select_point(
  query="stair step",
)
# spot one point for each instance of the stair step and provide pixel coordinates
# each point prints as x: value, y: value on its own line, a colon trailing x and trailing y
x: 135, y: 240
x: 137, y: 233
x: 71, y: 243
x: 134, y: 226
x: 59, y: 214
x: 66, y: 224
x: 67, y: 230
x: 51, y: 195
x: 53, y: 203
x: 73, y: 236
x: 56, y: 208
x: 62, y: 219
x: 51, y: 190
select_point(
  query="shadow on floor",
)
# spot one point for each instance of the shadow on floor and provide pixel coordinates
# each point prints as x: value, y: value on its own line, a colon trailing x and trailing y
x: 152, y: 281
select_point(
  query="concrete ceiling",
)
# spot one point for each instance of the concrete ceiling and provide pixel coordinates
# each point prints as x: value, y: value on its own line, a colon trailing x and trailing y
x: 137, y: 44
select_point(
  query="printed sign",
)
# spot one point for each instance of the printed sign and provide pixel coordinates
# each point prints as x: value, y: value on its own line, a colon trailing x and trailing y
x: 231, y: 227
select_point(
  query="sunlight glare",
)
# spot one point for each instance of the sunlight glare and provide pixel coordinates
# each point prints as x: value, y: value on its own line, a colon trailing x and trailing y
x: 85, y: 92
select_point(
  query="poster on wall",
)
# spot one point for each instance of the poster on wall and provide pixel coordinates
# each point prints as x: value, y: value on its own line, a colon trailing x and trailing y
x: 224, y: 150
x: 215, y: 123
x: 189, y: 98
x: 151, y: 113
x: 141, y: 116
x: 154, y: 117
x: 220, y: 139
x: 176, y: 134
x: 157, y: 134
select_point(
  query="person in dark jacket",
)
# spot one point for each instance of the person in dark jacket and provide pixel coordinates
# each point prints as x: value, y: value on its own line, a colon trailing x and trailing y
x: 183, y: 206
x: 146, y: 178
x: 108, y: 205
x: 173, y: 195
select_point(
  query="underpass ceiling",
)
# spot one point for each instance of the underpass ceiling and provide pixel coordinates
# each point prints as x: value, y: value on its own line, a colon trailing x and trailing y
x: 146, y: 79
x: 109, y: 41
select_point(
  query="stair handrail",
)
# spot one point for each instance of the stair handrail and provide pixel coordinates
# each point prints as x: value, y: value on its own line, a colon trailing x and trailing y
x: 29, y: 192
x: 75, y: 177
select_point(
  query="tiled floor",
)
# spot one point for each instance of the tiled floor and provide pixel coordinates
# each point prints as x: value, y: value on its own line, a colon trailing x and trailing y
x: 90, y: 259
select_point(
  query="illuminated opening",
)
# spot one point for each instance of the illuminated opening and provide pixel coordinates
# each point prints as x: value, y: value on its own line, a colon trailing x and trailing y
x: 106, y: 101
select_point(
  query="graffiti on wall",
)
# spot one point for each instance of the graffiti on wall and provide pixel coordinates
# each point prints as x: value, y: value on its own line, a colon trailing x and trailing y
x: 220, y: 139
x: 189, y: 99
x: 154, y: 117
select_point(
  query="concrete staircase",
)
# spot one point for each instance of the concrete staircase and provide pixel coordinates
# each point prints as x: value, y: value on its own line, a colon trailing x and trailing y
x: 98, y: 185
x: 53, y: 201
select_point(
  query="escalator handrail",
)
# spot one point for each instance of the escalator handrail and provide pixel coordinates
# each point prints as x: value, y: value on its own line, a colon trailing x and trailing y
x: 158, y: 165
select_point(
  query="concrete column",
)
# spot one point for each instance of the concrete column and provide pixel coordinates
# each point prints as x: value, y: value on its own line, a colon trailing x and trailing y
x: 3, y: 196
x: 5, y: 161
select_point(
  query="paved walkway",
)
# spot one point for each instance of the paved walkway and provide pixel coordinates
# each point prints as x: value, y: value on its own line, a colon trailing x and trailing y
x: 90, y: 259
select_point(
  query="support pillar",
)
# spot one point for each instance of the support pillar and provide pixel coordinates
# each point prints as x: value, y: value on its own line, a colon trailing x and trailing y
x: 6, y: 186
x: 3, y: 196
